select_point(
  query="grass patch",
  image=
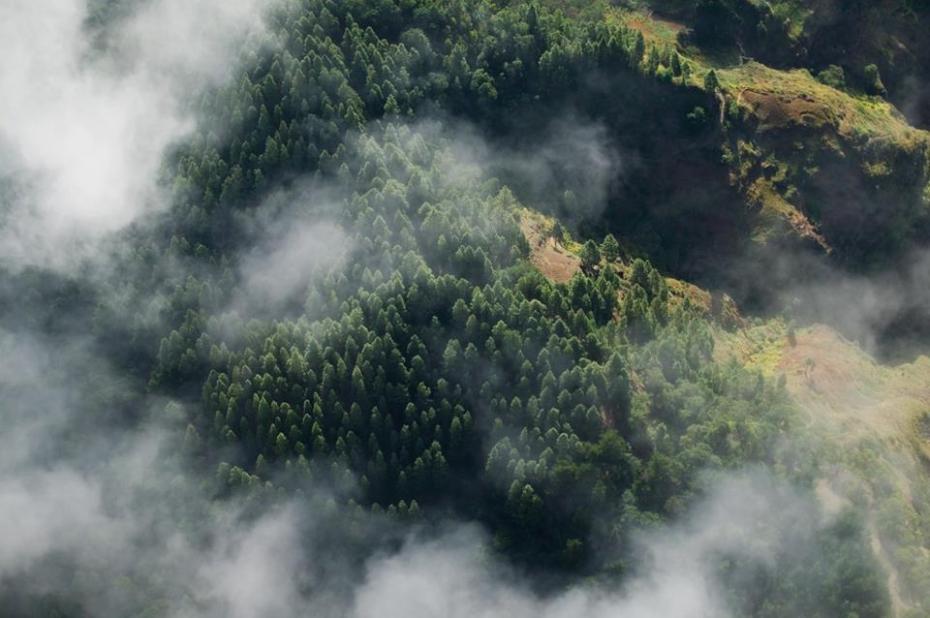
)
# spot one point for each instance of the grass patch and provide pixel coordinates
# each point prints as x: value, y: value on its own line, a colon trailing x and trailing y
x: 795, y: 97
x: 759, y: 347
x: 656, y: 31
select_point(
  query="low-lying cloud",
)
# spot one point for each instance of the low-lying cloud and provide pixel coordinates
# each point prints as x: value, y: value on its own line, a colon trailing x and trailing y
x: 748, y: 516
x: 568, y: 166
x: 84, y: 131
x: 885, y: 312
x: 295, y: 239
x: 125, y: 506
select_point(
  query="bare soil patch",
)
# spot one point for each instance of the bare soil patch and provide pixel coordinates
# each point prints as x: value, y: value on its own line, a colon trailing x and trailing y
x: 547, y: 255
x: 776, y: 111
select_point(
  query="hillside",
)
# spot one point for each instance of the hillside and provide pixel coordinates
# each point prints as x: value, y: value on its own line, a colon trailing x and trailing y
x: 868, y: 421
x: 811, y: 159
x: 525, y: 308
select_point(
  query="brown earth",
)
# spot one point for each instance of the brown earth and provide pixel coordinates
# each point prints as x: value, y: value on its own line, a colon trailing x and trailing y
x: 549, y: 256
x: 837, y: 382
x: 776, y: 111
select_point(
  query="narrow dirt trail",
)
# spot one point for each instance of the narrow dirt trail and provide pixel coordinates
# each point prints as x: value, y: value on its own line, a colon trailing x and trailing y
x: 898, y: 606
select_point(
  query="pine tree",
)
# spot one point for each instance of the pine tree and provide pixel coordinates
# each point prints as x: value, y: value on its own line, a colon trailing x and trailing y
x: 558, y: 233
x: 639, y: 50
x: 590, y: 256
x: 610, y: 248
x: 711, y: 83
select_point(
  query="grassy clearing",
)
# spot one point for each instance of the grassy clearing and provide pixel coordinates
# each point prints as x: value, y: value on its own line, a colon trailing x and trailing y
x: 759, y: 347
x: 785, y: 98
x: 868, y: 425
x: 784, y: 124
x: 544, y: 224
x: 656, y: 31
x: 680, y: 291
x: 833, y: 378
x: 778, y: 217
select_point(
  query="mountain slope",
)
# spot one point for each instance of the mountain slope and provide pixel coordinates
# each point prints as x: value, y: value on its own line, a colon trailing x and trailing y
x: 868, y: 421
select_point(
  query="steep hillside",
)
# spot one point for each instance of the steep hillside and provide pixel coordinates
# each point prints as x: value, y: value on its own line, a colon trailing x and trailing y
x: 847, y: 173
x: 873, y: 47
x: 842, y: 173
x: 869, y: 424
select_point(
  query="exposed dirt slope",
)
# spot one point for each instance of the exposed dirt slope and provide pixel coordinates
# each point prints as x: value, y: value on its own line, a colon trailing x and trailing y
x: 840, y: 385
x: 551, y: 258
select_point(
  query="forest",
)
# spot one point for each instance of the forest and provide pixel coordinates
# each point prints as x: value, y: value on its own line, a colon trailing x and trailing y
x: 465, y: 307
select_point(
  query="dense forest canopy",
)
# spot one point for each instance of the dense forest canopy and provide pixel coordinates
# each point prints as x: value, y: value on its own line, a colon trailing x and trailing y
x: 364, y: 306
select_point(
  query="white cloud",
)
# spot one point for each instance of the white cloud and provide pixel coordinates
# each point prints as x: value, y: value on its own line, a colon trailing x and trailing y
x: 750, y: 516
x: 83, y: 134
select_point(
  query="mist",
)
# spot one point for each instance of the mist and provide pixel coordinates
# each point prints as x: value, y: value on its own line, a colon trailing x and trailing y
x: 746, y: 516
x: 85, y: 131
x: 568, y: 166
x: 128, y: 505
x: 884, y: 312
x: 296, y: 238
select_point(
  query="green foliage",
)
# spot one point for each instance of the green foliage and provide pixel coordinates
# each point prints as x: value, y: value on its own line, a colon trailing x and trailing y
x: 833, y: 76
x: 590, y: 256
x: 836, y: 553
x: 711, y: 81
x: 437, y: 369
x: 873, y: 80
x: 610, y: 248
x: 439, y: 344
